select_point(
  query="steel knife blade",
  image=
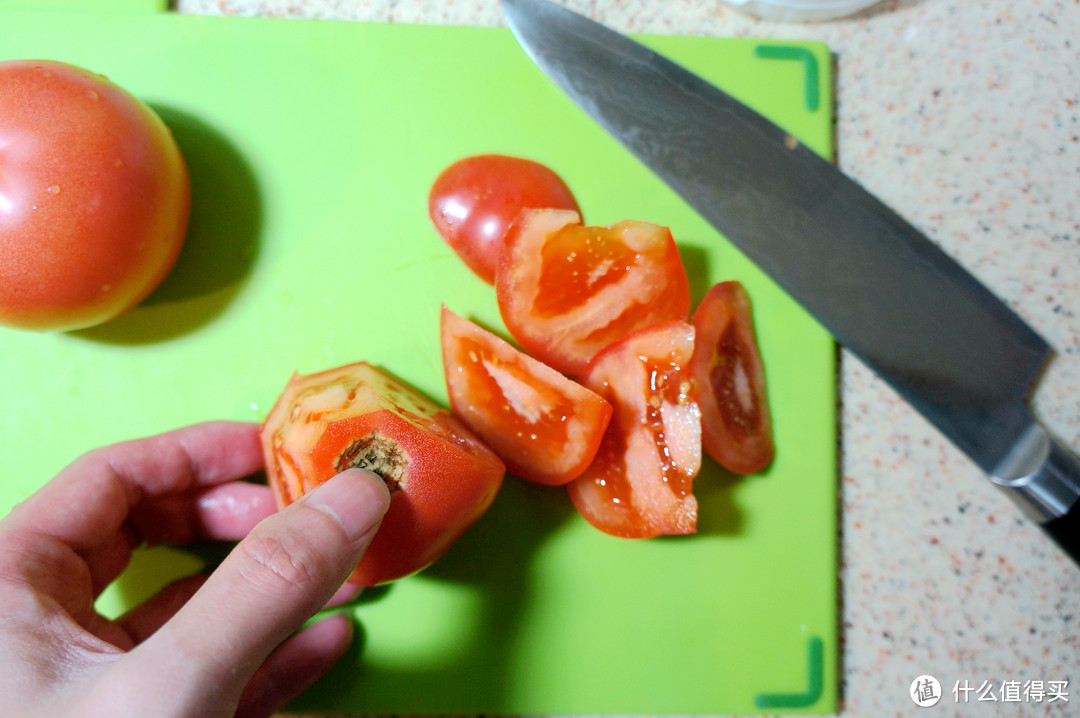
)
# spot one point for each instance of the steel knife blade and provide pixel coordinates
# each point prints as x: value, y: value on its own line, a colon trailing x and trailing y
x: 885, y: 291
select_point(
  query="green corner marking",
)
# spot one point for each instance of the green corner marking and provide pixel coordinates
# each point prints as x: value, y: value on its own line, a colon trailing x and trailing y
x: 811, y: 91
x: 815, y: 650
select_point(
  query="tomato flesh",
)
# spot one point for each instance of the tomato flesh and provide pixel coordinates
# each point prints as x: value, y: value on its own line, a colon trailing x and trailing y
x: 566, y: 291
x: 640, y: 484
x: 545, y: 427
x: 474, y: 200
x: 94, y: 197
x: 736, y: 423
x: 577, y: 263
x: 442, y: 478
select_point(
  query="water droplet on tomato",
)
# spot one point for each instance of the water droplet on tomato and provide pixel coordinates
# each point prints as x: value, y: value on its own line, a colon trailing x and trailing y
x: 94, y: 97
x: 106, y: 287
x: 53, y: 189
x: 118, y: 162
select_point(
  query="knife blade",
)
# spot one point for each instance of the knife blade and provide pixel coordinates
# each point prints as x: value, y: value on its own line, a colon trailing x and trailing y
x: 892, y: 297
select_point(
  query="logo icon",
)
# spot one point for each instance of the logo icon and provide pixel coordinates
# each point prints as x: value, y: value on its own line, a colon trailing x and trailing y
x: 925, y: 691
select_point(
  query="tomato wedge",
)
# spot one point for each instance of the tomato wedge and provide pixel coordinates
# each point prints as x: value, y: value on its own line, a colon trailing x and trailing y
x: 566, y: 291
x: 544, y: 426
x: 441, y: 477
x: 640, y: 483
x: 474, y: 200
x: 736, y: 425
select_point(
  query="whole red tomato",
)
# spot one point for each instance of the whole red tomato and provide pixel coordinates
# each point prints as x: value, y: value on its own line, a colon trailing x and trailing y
x: 474, y: 200
x: 94, y: 197
x: 441, y: 477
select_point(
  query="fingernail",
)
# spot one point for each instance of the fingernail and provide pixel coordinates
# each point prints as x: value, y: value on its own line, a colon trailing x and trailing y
x: 355, y: 498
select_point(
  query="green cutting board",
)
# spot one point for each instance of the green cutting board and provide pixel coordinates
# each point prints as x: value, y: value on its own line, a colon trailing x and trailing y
x: 312, y: 146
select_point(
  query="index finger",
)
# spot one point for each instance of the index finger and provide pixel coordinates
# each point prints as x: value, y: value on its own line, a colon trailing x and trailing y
x: 90, y: 499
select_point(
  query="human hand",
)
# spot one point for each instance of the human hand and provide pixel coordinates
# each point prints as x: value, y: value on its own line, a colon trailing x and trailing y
x: 221, y: 645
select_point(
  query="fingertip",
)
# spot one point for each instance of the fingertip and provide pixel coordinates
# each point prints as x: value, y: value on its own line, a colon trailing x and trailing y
x: 348, y: 593
x: 230, y: 511
x: 296, y: 665
x: 327, y: 637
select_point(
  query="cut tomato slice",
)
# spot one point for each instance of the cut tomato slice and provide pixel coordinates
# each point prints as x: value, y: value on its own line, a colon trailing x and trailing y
x: 640, y: 483
x: 474, y: 200
x: 736, y: 425
x: 566, y: 291
x: 441, y: 477
x: 545, y: 427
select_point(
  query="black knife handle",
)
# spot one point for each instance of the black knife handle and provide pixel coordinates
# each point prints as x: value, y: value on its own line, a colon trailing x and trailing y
x: 1065, y: 530
x: 1064, y: 468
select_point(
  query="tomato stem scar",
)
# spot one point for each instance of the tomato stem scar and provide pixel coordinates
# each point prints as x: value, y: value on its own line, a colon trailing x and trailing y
x: 378, y: 454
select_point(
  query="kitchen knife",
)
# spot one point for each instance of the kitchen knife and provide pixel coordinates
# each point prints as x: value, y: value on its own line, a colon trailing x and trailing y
x: 952, y: 349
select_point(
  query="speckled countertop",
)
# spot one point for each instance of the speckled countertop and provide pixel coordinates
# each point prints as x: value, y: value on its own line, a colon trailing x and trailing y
x: 965, y: 116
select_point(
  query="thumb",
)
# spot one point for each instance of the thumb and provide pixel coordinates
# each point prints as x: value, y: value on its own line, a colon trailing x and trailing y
x: 275, y: 579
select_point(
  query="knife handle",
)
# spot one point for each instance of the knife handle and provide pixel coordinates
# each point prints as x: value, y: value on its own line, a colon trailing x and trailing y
x: 1043, y: 477
x: 1062, y: 468
x: 1065, y: 530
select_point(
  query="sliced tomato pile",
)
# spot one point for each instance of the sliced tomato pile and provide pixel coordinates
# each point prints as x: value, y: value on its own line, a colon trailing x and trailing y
x: 609, y: 306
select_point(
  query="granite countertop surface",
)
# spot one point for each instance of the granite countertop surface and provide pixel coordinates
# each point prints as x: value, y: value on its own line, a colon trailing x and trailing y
x: 963, y: 115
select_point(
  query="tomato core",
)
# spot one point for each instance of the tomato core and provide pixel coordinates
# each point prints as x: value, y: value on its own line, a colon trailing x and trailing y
x: 378, y: 454
x: 528, y: 410
x: 667, y: 387
x: 641, y: 482
x: 731, y: 378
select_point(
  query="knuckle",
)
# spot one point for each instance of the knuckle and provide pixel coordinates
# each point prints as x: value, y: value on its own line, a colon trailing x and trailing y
x: 283, y: 561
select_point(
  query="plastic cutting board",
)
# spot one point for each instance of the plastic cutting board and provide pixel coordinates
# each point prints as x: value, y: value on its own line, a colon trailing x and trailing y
x: 312, y: 146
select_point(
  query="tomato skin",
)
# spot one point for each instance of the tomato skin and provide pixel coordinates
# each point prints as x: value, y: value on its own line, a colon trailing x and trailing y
x: 474, y: 200
x: 545, y: 427
x: 94, y: 197
x: 566, y: 291
x: 640, y: 484
x: 736, y: 423
x: 441, y: 477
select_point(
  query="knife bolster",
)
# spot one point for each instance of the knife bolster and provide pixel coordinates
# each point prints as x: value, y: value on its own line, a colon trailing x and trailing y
x: 1040, y: 475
